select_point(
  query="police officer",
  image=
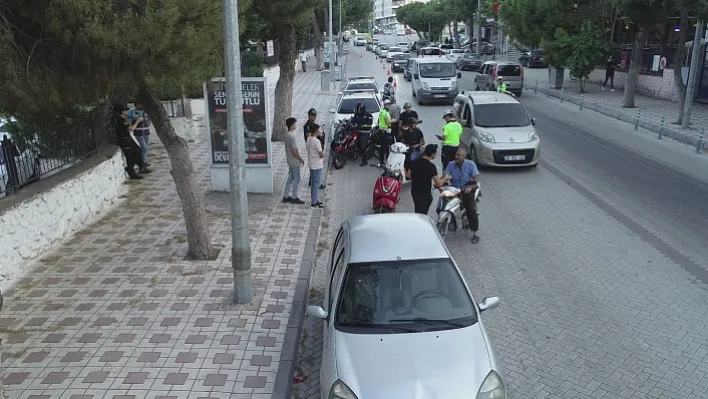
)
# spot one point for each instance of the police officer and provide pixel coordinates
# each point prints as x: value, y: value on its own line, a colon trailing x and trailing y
x: 452, y: 131
x: 384, y: 123
x: 501, y: 86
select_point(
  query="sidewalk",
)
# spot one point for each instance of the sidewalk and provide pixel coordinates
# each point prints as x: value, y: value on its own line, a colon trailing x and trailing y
x: 115, y: 312
x: 647, y: 114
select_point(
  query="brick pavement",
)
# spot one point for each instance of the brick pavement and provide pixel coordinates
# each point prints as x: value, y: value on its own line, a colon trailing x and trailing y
x: 609, y: 103
x: 115, y: 312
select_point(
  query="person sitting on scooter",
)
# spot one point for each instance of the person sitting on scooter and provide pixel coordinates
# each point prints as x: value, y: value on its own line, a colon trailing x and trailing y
x: 414, y: 139
x: 405, y: 115
x: 363, y: 120
x: 464, y: 175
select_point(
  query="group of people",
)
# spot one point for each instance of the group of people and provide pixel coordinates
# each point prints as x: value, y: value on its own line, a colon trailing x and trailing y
x: 314, y: 144
x: 132, y: 130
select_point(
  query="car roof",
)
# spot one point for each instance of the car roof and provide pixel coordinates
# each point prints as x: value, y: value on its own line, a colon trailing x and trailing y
x: 394, y: 236
x: 435, y: 60
x: 489, y: 97
x: 359, y: 79
x: 360, y: 94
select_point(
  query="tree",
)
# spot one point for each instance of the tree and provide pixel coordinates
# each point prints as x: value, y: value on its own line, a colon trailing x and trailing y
x: 286, y: 19
x: 582, y: 51
x: 422, y: 17
x: 58, y: 56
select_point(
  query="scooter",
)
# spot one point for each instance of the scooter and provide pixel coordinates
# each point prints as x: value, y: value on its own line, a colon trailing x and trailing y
x: 387, y: 192
x: 449, y: 205
x: 396, y: 160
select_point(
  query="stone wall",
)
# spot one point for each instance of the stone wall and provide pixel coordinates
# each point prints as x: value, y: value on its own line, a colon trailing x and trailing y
x: 36, y: 219
x: 653, y: 86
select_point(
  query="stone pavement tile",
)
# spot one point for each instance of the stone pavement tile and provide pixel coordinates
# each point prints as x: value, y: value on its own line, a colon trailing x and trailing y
x: 117, y: 311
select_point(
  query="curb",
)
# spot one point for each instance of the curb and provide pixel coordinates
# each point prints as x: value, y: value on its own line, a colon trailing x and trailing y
x: 631, y: 117
x: 283, y: 387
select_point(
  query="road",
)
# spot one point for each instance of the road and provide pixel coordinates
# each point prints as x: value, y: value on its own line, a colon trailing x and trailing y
x: 598, y: 256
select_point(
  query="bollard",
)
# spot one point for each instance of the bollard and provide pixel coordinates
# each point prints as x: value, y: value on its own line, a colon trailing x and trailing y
x: 661, y: 128
x: 562, y: 94
x: 548, y: 93
x: 535, y: 87
x: 582, y: 100
x: 636, y: 119
x: 699, y: 145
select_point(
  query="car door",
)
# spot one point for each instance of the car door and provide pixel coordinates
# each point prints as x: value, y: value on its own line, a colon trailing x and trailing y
x: 478, y: 76
x: 328, y: 370
x: 468, y: 139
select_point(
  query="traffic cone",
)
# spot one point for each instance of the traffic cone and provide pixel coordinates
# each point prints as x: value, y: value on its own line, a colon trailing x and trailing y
x: 388, y: 72
x: 394, y: 83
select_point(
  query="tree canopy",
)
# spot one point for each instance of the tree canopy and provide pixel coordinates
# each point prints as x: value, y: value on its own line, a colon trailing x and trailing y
x: 422, y: 17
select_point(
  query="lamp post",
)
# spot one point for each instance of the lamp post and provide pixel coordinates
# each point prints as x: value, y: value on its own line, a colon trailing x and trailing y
x: 331, y: 45
x: 479, y: 28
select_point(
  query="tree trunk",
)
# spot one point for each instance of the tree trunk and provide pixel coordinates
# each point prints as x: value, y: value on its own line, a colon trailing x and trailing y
x: 195, y: 217
x: 678, y: 64
x: 614, y: 24
x: 455, y: 30
x: 284, y: 88
x: 319, y: 42
x: 635, y: 65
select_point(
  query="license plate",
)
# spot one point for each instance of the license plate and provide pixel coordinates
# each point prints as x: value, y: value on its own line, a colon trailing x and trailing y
x: 439, y: 96
x: 515, y: 158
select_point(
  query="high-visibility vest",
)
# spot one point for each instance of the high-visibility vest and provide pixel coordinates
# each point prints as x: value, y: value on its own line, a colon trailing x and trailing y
x: 452, y: 131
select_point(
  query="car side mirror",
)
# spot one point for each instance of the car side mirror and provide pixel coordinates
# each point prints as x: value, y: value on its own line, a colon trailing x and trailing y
x: 416, y: 76
x: 459, y: 75
x: 318, y: 312
x: 332, y: 111
x: 486, y: 304
x: 533, y: 121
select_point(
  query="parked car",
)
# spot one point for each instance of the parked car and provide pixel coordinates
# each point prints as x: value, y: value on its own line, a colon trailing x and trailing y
x: 401, y: 33
x: 360, y: 83
x: 430, y: 52
x: 533, y: 59
x: 360, y: 41
x: 404, y: 46
x: 408, y: 70
x: 400, y: 61
x: 501, y: 133
x: 348, y: 101
x: 469, y: 62
x: 392, y: 51
x: 511, y: 72
x: 454, y: 54
x: 399, y: 321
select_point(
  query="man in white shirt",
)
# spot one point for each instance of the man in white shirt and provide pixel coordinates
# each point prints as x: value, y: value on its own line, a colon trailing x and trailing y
x: 315, y: 161
x: 295, y: 161
x: 303, y: 60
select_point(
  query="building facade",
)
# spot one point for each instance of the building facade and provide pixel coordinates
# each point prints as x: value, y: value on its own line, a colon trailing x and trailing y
x: 385, y: 12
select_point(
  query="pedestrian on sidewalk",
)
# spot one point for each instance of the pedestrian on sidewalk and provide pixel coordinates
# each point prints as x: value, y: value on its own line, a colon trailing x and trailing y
x: 127, y: 142
x: 303, y: 60
x: 315, y: 161
x: 609, y: 74
x: 311, y: 120
x: 295, y: 161
x: 142, y: 132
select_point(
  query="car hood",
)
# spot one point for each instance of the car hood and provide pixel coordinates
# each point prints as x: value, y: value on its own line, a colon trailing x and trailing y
x: 428, y: 365
x: 508, y: 134
x: 439, y: 82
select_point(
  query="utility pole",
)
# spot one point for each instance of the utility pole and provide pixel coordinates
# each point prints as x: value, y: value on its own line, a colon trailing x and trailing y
x: 340, y: 18
x: 693, y: 74
x: 479, y: 28
x: 240, y: 240
x: 331, y: 45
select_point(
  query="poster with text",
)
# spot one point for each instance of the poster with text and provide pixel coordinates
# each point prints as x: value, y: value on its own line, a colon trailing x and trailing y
x: 254, y: 121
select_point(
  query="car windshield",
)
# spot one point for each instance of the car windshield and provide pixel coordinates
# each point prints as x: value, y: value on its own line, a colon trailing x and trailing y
x: 348, y: 105
x: 383, y: 46
x: 394, y: 49
x: 471, y: 57
x: 401, y: 56
x: 361, y: 86
x: 425, y: 293
x: 510, y: 70
x: 437, y: 70
x: 432, y: 51
x: 501, y: 115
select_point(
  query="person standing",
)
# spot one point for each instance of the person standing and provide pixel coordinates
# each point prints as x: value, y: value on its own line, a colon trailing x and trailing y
x: 423, y: 173
x: 388, y: 91
x: 452, y: 131
x: 131, y: 149
x: 142, y: 132
x: 303, y: 60
x: 464, y: 175
x: 315, y: 161
x: 395, y: 112
x: 311, y: 120
x: 295, y: 161
x: 609, y: 74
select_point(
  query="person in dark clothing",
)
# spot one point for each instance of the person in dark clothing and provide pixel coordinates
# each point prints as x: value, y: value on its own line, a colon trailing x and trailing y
x: 610, y: 74
x: 311, y: 121
x: 388, y: 91
x: 130, y: 147
x: 413, y: 138
x: 363, y: 121
x: 423, y: 173
x: 407, y: 114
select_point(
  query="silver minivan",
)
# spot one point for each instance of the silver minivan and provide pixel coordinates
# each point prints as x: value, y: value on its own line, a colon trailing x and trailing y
x: 511, y: 72
x: 434, y: 80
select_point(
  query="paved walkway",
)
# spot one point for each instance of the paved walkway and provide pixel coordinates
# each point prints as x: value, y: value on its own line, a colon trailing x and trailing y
x: 115, y: 312
x: 648, y: 112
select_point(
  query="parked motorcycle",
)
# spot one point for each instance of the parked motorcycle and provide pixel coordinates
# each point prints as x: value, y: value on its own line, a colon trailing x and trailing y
x: 347, y: 147
x: 449, y: 205
x: 387, y: 192
x: 396, y: 160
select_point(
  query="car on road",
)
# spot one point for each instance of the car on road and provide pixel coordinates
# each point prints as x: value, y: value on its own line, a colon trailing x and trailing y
x: 370, y: 46
x: 387, y: 32
x: 430, y: 52
x: 469, y: 62
x: 383, y: 51
x: 399, y: 62
x: 360, y: 41
x: 455, y: 54
x: 511, y: 72
x: 348, y: 101
x: 391, y: 51
x: 404, y: 46
x: 434, y: 80
x: 359, y: 83
x: 380, y: 48
x: 399, y: 320
x: 408, y: 70
x: 533, y: 59
x: 401, y: 33
x: 497, y: 129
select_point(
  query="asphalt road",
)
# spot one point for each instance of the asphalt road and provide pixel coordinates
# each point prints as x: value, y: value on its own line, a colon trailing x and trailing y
x: 598, y: 255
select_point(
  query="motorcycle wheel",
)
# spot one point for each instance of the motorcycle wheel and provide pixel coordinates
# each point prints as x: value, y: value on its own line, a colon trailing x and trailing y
x: 443, y: 227
x: 382, y: 209
x: 339, y: 160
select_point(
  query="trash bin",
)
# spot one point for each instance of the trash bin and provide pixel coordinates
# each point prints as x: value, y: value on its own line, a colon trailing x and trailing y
x: 325, y: 80
x: 338, y: 73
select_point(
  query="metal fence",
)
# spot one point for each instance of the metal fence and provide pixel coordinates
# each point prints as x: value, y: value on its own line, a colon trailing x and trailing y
x: 29, y: 153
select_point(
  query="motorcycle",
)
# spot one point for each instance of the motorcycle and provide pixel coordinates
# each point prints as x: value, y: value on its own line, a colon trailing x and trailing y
x: 377, y: 140
x: 450, y: 204
x: 387, y: 192
x: 346, y: 146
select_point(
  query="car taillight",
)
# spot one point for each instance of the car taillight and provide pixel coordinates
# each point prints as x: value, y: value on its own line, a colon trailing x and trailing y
x: 534, y: 58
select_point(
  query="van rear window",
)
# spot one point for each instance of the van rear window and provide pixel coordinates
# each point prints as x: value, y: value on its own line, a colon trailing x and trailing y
x: 432, y: 51
x: 510, y: 70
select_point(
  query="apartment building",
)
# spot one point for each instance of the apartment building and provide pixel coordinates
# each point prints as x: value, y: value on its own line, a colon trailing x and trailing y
x: 385, y: 12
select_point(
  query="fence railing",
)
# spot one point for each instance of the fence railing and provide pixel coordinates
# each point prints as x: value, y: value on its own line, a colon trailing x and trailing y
x: 28, y: 153
x: 174, y: 108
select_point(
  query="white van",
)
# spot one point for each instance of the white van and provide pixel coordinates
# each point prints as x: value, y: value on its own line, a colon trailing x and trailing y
x: 434, y: 80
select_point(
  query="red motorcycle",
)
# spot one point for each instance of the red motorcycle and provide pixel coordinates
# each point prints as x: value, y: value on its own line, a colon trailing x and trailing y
x: 387, y: 191
x: 345, y: 145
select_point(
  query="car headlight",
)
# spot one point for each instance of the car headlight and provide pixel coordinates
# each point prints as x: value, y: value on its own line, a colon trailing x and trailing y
x: 492, y: 387
x: 533, y: 136
x: 340, y: 390
x: 425, y: 85
x: 486, y: 137
x: 453, y: 85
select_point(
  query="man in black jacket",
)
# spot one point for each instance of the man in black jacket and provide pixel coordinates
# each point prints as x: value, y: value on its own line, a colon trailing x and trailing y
x: 363, y: 121
x: 131, y: 149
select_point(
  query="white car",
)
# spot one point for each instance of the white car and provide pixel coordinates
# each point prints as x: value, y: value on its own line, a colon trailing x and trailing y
x: 362, y: 83
x: 25, y: 159
x: 454, y: 54
x: 387, y: 32
x: 404, y: 47
x: 391, y: 51
x: 360, y: 41
x: 383, y: 51
x: 401, y: 33
x: 399, y: 320
x: 347, y: 104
